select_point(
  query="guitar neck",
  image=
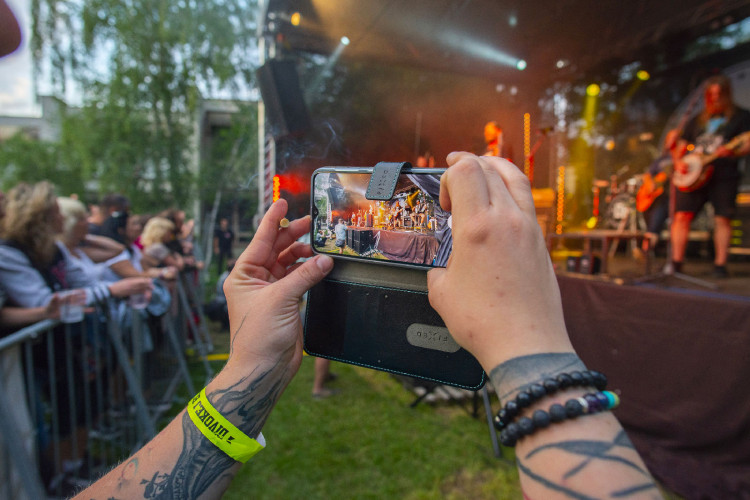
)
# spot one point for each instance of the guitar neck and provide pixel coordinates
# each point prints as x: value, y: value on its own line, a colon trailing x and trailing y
x: 731, y: 145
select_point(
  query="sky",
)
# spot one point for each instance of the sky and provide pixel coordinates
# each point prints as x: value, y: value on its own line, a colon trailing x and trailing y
x: 16, y: 88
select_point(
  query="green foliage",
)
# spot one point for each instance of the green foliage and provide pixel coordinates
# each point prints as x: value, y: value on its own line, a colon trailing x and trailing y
x: 28, y: 160
x: 233, y: 154
x: 135, y: 131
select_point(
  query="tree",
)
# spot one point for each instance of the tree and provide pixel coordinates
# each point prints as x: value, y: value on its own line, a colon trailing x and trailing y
x: 135, y: 131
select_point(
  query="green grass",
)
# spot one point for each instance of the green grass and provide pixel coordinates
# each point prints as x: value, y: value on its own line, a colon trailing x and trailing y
x: 330, y: 247
x: 365, y: 442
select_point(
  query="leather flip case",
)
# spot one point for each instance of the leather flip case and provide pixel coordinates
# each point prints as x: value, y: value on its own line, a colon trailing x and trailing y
x: 379, y: 316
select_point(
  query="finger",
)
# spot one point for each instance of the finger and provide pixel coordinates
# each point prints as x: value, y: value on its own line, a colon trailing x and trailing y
x: 496, y: 186
x: 259, y: 249
x: 517, y: 184
x: 463, y: 186
x: 304, y: 277
x: 434, y: 278
x: 295, y: 251
x: 286, y: 236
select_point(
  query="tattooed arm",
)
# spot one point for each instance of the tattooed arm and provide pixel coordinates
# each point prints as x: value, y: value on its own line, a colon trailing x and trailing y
x: 500, y: 300
x: 263, y: 293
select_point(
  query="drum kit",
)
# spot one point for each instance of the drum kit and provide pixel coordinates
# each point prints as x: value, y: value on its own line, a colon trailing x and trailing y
x: 617, y: 196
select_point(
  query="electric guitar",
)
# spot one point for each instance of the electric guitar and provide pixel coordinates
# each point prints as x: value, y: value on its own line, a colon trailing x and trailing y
x: 652, y: 187
x: 699, y: 168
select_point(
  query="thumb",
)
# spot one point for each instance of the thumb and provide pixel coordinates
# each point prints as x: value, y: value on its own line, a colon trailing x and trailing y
x: 296, y: 283
x: 434, y: 288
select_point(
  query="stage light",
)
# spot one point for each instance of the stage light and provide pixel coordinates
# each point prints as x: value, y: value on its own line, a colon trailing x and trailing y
x: 643, y: 75
x: 527, y: 145
x: 521, y: 65
x: 561, y: 63
x: 295, y: 19
x: 592, y: 90
x: 609, y: 145
x: 276, y: 188
x: 344, y: 40
x: 690, y: 147
x: 560, y: 215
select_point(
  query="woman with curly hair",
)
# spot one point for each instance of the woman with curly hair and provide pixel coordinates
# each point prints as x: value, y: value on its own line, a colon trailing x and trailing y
x: 32, y: 264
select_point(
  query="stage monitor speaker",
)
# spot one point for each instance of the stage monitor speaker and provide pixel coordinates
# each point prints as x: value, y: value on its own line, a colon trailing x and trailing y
x: 286, y: 110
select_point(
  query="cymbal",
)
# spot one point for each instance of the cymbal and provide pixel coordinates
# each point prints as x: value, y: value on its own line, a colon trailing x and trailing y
x: 600, y: 183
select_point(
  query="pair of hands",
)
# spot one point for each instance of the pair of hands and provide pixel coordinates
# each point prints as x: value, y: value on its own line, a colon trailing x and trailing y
x: 498, y: 294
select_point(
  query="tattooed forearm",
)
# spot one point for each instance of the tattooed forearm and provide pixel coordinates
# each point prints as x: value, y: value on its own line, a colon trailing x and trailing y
x: 201, y: 465
x: 198, y: 466
x: 586, y: 458
x: 516, y: 374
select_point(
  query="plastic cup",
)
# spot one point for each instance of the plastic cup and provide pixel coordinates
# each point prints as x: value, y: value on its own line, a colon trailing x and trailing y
x: 138, y: 301
x: 71, y: 306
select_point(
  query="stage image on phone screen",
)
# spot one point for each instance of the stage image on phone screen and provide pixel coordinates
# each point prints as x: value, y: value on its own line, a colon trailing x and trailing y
x: 410, y: 228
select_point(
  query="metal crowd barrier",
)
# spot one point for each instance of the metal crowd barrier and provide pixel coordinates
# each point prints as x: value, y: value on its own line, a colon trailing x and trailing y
x: 76, y: 399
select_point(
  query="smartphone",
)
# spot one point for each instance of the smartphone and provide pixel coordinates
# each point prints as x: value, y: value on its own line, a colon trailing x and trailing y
x: 410, y: 229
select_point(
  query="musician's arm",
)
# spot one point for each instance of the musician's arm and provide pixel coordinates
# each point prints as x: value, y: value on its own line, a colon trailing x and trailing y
x: 678, y: 151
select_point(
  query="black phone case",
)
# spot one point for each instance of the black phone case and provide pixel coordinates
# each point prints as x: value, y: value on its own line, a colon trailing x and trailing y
x: 385, y: 326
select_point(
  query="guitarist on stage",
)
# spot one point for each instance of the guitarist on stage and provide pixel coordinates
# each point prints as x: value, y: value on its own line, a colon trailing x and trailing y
x: 719, y: 122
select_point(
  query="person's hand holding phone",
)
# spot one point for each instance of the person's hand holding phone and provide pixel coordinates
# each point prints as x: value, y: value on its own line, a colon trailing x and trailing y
x: 264, y: 289
x: 498, y: 295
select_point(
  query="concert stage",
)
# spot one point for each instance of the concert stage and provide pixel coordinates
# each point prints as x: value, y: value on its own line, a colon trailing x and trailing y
x: 679, y: 354
x: 403, y: 245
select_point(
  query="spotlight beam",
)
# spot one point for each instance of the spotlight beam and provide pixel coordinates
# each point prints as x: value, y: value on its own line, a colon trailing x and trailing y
x: 325, y: 70
x: 481, y: 50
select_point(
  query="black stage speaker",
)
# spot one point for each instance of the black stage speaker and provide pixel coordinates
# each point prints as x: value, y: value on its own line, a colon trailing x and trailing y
x: 286, y: 110
x: 361, y: 240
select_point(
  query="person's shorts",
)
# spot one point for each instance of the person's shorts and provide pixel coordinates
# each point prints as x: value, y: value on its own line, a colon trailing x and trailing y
x: 341, y: 243
x: 722, y: 193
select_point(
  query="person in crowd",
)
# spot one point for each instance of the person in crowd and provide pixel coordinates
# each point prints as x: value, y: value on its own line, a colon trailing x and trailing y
x: 32, y: 264
x: 223, y: 241
x: 216, y: 309
x: 113, y: 205
x: 33, y: 268
x: 89, y: 273
x: 321, y: 376
x: 131, y: 265
x: 182, y: 242
x: 12, y: 318
x: 709, y: 131
x: 507, y: 313
x: 340, y: 231
x: 158, y: 234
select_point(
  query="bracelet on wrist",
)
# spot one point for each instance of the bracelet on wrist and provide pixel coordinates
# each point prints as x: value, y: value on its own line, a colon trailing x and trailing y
x: 221, y: 432
x: 549, y: 386
x: 573, y: 408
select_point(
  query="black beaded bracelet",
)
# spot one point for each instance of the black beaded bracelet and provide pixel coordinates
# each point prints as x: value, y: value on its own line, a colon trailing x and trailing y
x: 573, y: 408
x: 549, y: 386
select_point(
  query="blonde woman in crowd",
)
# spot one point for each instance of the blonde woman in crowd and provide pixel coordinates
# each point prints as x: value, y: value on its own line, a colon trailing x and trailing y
x: 157, y: 234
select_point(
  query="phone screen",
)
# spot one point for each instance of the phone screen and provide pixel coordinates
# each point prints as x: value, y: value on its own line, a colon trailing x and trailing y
x: 409, y: 229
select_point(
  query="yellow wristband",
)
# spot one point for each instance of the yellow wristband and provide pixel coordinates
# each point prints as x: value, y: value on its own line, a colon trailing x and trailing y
x: 221, y: 431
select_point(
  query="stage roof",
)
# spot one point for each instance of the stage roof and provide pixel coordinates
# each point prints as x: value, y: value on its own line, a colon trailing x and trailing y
x: 558, y: 39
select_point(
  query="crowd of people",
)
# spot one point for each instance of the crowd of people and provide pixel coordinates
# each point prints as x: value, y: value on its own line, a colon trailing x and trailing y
x: 56, y: 252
